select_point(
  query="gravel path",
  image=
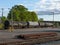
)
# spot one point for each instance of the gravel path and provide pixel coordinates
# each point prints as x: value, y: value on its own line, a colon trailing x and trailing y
x: 7, y: 34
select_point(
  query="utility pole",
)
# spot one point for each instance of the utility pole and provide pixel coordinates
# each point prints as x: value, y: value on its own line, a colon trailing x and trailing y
x: 2, y: 14
x: 53, y: 19
x: 11, y: 28
x: 2, y: 11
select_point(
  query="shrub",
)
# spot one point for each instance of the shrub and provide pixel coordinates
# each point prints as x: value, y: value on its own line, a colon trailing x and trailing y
x: 1, y: 26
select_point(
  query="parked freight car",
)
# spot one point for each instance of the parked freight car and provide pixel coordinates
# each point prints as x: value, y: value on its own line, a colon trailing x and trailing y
x: 41, y: 24
x: 22, y: 24
x: 45, y: 24
x: 29, y: 24
x: 33, y: 24
x: 14, y: 24
x: 6, y: 24
x: 18, y: 25
x: 49, y: 24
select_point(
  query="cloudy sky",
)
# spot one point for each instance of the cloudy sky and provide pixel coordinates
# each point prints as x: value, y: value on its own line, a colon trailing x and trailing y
x: 47, y: 4
x: 35, y: 5
x: 32, y: 4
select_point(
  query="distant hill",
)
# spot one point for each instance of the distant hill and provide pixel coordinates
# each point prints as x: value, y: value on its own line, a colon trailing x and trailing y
x: 48, y: 12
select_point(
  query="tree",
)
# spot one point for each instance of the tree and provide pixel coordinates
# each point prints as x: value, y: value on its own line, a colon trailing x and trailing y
x: 21, y: 13
x: 41, y: 19
x: 3, y: 18
x: 17, y: 13
x: 34, y: 16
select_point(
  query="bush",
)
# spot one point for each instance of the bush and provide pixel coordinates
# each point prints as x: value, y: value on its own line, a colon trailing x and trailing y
x: 1, y: 26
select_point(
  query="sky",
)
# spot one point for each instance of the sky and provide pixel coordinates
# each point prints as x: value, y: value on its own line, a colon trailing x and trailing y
x: 32, y: 5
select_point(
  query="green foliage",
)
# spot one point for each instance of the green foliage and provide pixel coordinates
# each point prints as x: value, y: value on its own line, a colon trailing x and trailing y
x: 34, y: 16
x: 3, y: 18
x: 21, y: 13
x: 41, y: 19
